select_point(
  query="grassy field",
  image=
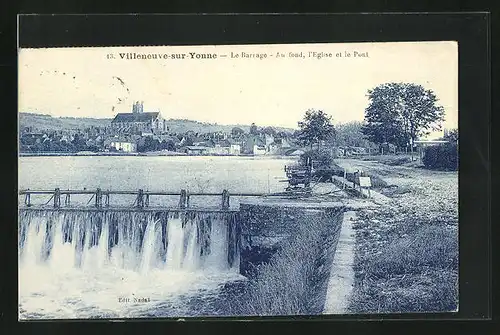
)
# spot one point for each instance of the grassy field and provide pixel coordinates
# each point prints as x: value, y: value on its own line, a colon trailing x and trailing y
x: 407, y: 252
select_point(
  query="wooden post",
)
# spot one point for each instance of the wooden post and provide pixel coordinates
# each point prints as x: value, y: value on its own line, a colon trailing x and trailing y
x: 147, y: 200
x: 27, y: 199
x: 140, y: 199
x: 183, y: 199
x: 98, y: 198
x: 106, y: 202
x: 225, y: 199
x: 57, y: 198
x: 188, y: 198
x: 67, y: 200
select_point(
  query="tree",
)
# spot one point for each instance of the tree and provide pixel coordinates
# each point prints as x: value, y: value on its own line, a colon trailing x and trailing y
x: 399, y: 113
x: 351, y: 135
x: 79, y: 142
x: 253, y: 129
x: 269, y: 131
x: 451, y: 136
x: 148, y: 144
x: 168, y: 145
x: 236, y: 131
x: 315, y: 128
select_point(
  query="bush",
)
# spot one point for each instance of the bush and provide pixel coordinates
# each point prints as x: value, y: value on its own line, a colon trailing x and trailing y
x: 376, y: 181
x: 322, y: 158
x: 442, y: 157
x: 323, y: 174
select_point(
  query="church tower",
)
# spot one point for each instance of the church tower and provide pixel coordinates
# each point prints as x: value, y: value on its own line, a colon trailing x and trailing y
x: 138, y: 107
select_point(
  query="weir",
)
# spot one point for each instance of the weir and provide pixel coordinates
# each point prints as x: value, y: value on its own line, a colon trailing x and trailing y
x: 143, y: 237
x: 133, y: 240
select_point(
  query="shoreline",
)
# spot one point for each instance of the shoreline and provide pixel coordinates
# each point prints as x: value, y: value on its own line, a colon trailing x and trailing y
x: 141, y: 154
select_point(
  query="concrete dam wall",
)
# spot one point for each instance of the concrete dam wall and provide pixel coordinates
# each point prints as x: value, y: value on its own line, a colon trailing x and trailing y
x: 266, y: 224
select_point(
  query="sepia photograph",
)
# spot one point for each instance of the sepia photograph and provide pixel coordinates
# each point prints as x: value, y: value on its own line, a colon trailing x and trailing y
x: 238, y: 180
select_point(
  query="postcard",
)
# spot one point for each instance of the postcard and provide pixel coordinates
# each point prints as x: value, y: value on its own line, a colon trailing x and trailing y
x: 238, y: 180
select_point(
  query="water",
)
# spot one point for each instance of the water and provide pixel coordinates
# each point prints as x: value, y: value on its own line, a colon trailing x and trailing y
x: 119, y: 265
x: 90, y: 264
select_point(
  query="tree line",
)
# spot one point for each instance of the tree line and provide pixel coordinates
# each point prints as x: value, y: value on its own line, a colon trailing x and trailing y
x: 397, y: 114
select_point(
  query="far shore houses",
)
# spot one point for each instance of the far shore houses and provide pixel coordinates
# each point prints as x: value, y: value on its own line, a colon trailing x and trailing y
x: 141, y: 131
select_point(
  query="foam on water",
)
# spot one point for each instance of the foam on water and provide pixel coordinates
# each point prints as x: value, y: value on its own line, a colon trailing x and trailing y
x: 81, y: 265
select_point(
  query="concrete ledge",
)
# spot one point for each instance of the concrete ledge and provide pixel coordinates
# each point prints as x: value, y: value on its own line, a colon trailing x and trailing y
x: 341, y: 281
x: 306, y: 203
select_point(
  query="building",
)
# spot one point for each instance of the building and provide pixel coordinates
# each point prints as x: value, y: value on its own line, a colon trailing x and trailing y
x: 196, y: 150
x: 139, y: 122
x: 122, y: 145
x: 254, y: 145
x: 234, y: 147
x: 259, y: 149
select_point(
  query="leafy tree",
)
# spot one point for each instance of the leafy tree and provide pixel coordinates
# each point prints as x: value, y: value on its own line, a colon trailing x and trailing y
x: 269, y: 131
x: 236, y: 131
x: 79, y: 142
x: 167, y: 145
x: 188, y: 141
x: 451, y: 136
x: 401, y: 112
x: 148, y: 144
x: 315, y: 127
x: 351, y: 134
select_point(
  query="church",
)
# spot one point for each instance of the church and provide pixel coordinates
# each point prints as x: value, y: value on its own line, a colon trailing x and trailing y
x: 139, y: 122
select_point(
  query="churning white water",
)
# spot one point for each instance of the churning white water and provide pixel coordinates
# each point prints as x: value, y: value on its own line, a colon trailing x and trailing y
x: 129, y: 264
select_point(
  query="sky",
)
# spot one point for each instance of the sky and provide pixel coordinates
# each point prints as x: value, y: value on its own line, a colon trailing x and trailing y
x: 85, y: 82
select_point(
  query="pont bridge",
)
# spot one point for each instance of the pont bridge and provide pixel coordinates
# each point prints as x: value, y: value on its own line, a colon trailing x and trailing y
x: 100, y: 199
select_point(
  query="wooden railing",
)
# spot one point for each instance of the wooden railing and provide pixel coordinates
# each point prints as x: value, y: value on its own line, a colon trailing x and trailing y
x: 142, y: 198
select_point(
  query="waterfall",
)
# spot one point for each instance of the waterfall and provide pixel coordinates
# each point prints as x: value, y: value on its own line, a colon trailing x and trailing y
x: 175, y: 244
x: 34, y: 242
x: 138, y: 241
x: 148, y: 246
x: 63, y: 253
x: 193, y: 249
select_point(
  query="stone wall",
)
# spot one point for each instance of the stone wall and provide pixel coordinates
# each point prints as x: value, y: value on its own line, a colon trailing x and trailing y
x: 265, y: 226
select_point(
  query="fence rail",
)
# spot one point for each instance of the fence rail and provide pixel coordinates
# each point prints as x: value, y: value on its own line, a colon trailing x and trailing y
x: 102, y: 197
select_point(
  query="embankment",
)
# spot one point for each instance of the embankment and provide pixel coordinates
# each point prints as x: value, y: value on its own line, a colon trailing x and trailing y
x: 287, y: 249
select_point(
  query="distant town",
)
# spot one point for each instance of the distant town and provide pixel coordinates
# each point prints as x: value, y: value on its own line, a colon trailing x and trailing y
x: 148, y: 132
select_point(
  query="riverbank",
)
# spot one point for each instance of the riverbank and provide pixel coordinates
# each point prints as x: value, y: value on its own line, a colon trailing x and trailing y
x: 138, y: 154
x: 406, y: 255
x: 294, y: 279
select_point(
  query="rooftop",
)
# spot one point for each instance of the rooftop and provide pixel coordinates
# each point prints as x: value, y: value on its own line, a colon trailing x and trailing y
x: 135, y: 117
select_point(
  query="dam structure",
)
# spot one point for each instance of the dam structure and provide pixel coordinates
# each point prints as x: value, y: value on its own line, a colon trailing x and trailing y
x: 138, y: 237
x: 164, y: 245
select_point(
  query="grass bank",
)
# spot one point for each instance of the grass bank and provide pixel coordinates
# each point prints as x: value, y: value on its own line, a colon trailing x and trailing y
x: 415, y: 273
x: 406, y: 257
x: 295, y: 280
x: 395, y: 160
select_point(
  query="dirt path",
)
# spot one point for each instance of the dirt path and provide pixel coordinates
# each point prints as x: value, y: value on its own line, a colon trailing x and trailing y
x: 414, y: 190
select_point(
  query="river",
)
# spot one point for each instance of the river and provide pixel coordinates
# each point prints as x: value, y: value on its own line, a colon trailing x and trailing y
x: 67, y: 272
